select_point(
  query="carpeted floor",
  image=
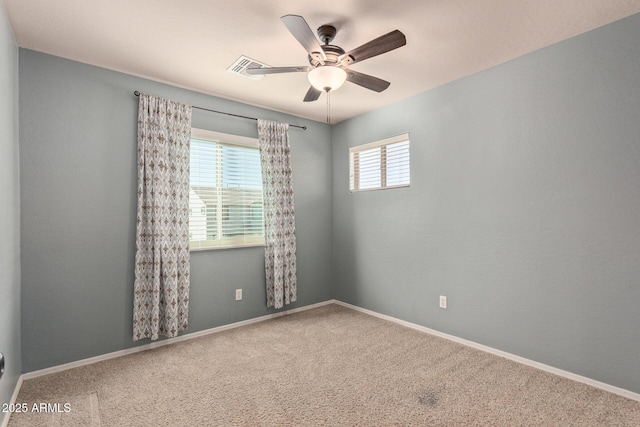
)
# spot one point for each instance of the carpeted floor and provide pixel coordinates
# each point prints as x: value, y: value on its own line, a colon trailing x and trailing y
x: 329, y: 366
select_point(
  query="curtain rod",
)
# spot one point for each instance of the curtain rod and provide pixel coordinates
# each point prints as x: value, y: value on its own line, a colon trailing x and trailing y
x: 137, y: 93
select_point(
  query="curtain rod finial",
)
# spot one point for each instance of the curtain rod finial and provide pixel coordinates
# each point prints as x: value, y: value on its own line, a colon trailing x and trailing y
x: 136, y: 93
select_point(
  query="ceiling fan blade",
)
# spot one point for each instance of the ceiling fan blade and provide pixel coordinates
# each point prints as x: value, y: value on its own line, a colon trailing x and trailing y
x: 367, y: 81
x: 276, y: 70
x: 299, y: 28
x: 312, y: 94
x: 382, y: 44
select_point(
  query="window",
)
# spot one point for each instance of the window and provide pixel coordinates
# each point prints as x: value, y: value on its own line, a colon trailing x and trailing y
x: 225, y: 194
x: 380, y: 164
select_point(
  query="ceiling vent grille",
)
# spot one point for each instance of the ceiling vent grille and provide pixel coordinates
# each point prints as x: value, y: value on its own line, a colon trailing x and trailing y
x: 240, y: 66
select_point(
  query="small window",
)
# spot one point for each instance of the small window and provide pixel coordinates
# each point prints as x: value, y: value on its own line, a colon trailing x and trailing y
x: 225, y: 194
x: 380, y: 164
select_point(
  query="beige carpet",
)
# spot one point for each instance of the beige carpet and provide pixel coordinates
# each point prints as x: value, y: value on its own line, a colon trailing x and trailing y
x: 330, y: 366
x: 64, y: 411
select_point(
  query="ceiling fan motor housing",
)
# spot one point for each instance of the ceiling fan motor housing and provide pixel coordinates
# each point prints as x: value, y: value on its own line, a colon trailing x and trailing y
x: 332, y: 53
x: 327, y: 33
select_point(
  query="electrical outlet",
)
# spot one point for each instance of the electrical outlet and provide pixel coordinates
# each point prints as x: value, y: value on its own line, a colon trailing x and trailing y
x: 443, y: 301
x: 238, y: 294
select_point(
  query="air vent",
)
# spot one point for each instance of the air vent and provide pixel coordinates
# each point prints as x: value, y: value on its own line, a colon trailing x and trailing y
x: 240, y: 66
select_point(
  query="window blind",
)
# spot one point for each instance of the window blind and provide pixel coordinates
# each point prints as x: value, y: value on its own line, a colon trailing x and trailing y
x: 225, y: 197
x: 380, y: 164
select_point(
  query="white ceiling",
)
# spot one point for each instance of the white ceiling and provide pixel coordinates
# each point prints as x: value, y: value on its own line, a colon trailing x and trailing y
x: 191, y: 43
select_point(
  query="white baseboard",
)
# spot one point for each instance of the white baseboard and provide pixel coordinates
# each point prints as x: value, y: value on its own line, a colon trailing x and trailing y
x: 14, y: 397
x: 603, y: 386
x: 169, y: 341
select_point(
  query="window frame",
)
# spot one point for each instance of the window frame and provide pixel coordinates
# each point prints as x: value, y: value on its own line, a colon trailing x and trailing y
x: 354, y: 156
x: 228, y: 242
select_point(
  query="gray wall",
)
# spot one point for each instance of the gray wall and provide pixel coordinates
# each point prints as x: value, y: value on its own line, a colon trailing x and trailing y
x: 524, y: 208
x: 78, y: 188
x: 9, y: 212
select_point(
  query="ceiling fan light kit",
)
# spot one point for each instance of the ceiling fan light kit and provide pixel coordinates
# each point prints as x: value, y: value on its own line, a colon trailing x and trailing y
x: 329, y: 64
x: 327, y: 78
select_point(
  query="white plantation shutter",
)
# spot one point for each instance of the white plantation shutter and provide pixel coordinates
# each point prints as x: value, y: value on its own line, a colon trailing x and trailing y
x: 367, y: 168
x: 380, y: 164
x: 225, y: 198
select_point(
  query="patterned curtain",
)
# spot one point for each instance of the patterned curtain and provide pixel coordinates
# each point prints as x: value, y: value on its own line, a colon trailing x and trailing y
x: 279, y: 213
x: 161, y: 289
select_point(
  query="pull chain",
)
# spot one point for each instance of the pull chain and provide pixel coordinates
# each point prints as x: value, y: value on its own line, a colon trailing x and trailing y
x: 329, y: 107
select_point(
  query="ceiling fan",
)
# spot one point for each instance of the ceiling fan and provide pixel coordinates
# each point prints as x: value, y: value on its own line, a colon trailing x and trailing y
x: 329, y: 64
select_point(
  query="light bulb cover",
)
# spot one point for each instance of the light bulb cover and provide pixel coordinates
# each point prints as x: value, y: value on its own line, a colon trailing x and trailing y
x: 327, y: 77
